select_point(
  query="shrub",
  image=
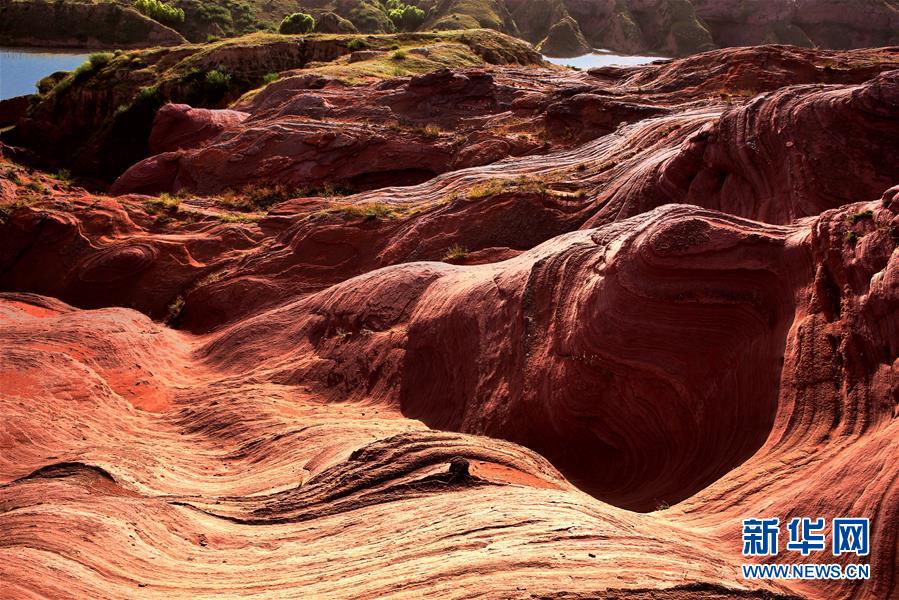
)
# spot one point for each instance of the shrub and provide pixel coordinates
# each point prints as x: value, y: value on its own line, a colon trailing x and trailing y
x: 147, y: 93
x: 251, y: 198
x: 376, y: 210
x: 297, y: 23
x: 174, y: 310
x: 368, y: 16
x: 218, y: 79
x: 404, y: 16
x: 430, y: 131
x: 399, y: 55
x: 486, y: 189
x: 94, y: 62
x: 369, y: 211
x: 232, y: 218
x: 856, y: 217
x: 357, y: 44
x: 164, y: 203
x: 455, y: 253
x: 271, y: 78
x: 160, y: 11
x: 98, y: 60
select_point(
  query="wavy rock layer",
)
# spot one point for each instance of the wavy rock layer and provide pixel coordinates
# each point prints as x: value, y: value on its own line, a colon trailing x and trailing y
x: 567, y: 373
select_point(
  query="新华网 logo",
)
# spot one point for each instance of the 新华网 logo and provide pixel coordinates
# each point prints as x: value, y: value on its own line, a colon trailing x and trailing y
x: 761, y: 538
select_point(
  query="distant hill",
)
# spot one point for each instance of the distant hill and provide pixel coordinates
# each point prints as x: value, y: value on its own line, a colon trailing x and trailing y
x: 556, y: 27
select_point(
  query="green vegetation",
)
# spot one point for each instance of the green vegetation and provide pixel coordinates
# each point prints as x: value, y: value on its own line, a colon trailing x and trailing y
x: 430, y: 131
x: 368, y: 211
x: 98, y: 60
x: 231, y: 17
x: 404, y: 17
x: 232, y: 218
x: 164, y: 203
x: 368, y: 16
x: 160, y: 11
x: 94, y: 62
x: 63, y: 175
x: 455, y: 253
x: 856, y: 217
x: 470, y: 14
x: 486, y: 189
x: 7, y: 208
x: 218, y: 79
x: 253, y: 198
x: 166, y: 207
x: 443, y: 52
x: 398, y: 55
x: 492, y: 187
x: 13, y: 176
x: 297, y: 23
x: 357, y: 44
x: 271, y: 78
x: 174, y: 310
x: 851, y: 237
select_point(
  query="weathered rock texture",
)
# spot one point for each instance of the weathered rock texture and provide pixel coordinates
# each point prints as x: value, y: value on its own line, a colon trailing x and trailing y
x: 564, y: 369
x: 827, y: 23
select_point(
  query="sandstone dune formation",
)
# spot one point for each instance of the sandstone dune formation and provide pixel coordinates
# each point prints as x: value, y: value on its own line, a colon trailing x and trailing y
x: 501, y: 331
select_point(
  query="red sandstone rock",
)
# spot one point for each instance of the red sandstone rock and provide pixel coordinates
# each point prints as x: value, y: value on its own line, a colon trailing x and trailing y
x: 12, y: 109
x: 571, y: 371
x: 306, y: 133
x: 790, y: 154
x: 179, y: 126
x: 345, y: 406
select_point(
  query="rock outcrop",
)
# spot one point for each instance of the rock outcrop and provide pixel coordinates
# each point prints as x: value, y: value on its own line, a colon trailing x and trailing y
x: 108, y: 111
x: 826, y: 23
x: 331, y: 134
x: 13, y: 109
x: 178, y: 126
x: 330, y: 22
x: 564, y: 38
x: 80, y: 25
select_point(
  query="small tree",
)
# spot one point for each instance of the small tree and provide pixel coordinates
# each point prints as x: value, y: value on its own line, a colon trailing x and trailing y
x: 160, y: 11
x: 405, y: 17
x: 297, y: 23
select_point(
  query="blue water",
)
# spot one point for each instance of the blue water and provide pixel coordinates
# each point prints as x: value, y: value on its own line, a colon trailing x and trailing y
x: 22, y: 68
x: 602, y: 59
